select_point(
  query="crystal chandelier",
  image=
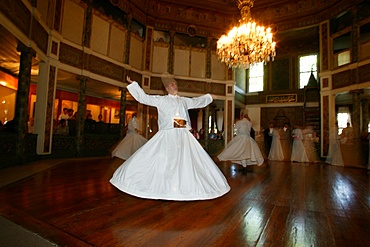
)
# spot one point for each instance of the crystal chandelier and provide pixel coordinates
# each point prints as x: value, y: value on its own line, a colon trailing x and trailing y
x: 247, y: 44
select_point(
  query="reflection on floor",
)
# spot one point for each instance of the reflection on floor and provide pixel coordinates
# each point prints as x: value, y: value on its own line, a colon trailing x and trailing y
x: 70, y: 202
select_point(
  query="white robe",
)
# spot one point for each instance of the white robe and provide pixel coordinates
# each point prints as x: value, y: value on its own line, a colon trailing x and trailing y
x: 131, y: 143
x: 172, y: 165
x: 242, y: 149
x: 298, y: 150
x: 335, y: 153
x: 276, y: 150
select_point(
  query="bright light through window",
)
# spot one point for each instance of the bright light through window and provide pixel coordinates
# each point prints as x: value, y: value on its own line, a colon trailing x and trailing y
x: 255, y: 82
x: 342, y: 122
x: 306, y: 65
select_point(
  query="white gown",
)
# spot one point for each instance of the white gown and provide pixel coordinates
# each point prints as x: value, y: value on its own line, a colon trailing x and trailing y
x: 309, y: 146
x: 276, y: 150
x: 242, y: 149
x: 335, y: 153
x: 298, y: 150
x: 131, y: 143
x: 172, y: 165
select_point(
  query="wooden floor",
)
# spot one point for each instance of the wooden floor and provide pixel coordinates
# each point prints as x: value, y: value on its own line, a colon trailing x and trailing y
x: 277, y: 204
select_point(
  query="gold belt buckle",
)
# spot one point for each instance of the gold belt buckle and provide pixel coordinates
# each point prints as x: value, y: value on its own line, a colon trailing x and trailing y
x: 179, y: 123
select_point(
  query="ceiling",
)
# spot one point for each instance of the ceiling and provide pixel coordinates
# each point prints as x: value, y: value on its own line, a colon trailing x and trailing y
x: 9, y: 57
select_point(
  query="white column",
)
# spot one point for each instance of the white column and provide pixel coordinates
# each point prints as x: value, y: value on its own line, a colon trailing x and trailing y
x: 43, y: 111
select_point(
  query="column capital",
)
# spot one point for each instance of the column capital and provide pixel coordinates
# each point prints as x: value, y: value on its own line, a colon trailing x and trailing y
x: 356, y: 91
x: 23, y: 48
x: 82, y: 78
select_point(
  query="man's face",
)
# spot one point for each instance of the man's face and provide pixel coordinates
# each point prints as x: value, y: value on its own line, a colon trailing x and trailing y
x: 172, y: 88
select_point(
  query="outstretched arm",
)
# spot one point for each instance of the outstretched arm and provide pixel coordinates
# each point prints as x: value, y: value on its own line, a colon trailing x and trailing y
x: 138, y: 93
x: 198, y: 102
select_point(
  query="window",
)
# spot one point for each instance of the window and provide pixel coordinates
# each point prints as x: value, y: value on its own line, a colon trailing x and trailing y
x: 306, y: 65
x: 344, y: 58
x: 343, y: 117
x: 341, y: 49
x: 255, y: 82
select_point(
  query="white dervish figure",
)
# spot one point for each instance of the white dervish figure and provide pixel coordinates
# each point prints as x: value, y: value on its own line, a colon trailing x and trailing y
x: 309, y: 145
x: 172, y: 165
x: 335, y: 153
x: 298, y: 151
x: 242, y: 149
x: 132, y: 141
x: 276, y: 151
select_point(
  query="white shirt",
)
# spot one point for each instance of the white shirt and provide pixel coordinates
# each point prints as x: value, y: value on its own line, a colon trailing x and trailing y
x: 169, y: 106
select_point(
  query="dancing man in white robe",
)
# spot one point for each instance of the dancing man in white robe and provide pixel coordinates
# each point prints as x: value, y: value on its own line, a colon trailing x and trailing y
x: 172, y: 165
x: 132, y: 141
x: 298, y: 151
x: 334, y: 157
x: 242, y: 149
x: 276, y: 151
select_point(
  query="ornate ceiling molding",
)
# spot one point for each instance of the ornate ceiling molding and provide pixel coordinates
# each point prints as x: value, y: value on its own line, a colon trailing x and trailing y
x: 216, y: 16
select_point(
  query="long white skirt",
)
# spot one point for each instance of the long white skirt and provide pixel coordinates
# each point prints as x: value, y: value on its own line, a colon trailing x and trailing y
x: 335, y: 153
x: 276, y: 150
x: 172, y: 165
x: 298, y: 152
x: 240, y: 148
x: 128, y: 145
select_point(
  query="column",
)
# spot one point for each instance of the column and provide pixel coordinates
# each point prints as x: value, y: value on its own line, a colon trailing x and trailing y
x: 128, y: 40
x: 171, y: 52
x: 213, y: 114
x: 209, y: 58
x: 229, y: 120
x: 209, y: 111
x: 21, y: 104
x: 88, y: 24
x: 365, y: 114
x: 44, y: 109
x: 206, y: 127
x: 200, y: 120
x: 81, y: 113
x: 354, y: 35
x: 358, y: 157
x: 122, y: 112
x: 148, y: 48
x: 142, y: 117
x: 365, y: 122
x: 324, y: 46
x: 356, y: 120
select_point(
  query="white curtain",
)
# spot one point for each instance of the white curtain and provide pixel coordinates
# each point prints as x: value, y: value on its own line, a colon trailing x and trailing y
x: 220, y: 119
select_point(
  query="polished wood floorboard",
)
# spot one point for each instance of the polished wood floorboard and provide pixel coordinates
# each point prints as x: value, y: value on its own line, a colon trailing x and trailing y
x: 277, y: 204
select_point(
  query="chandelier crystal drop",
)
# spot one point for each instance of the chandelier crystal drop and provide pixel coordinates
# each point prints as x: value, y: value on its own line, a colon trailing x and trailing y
x: 248, y: 43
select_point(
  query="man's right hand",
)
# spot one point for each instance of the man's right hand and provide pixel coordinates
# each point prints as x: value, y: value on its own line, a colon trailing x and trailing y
x: 129, y: 79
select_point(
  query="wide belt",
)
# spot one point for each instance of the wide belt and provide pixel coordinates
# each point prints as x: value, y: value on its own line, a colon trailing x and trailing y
x: 179, y: 123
